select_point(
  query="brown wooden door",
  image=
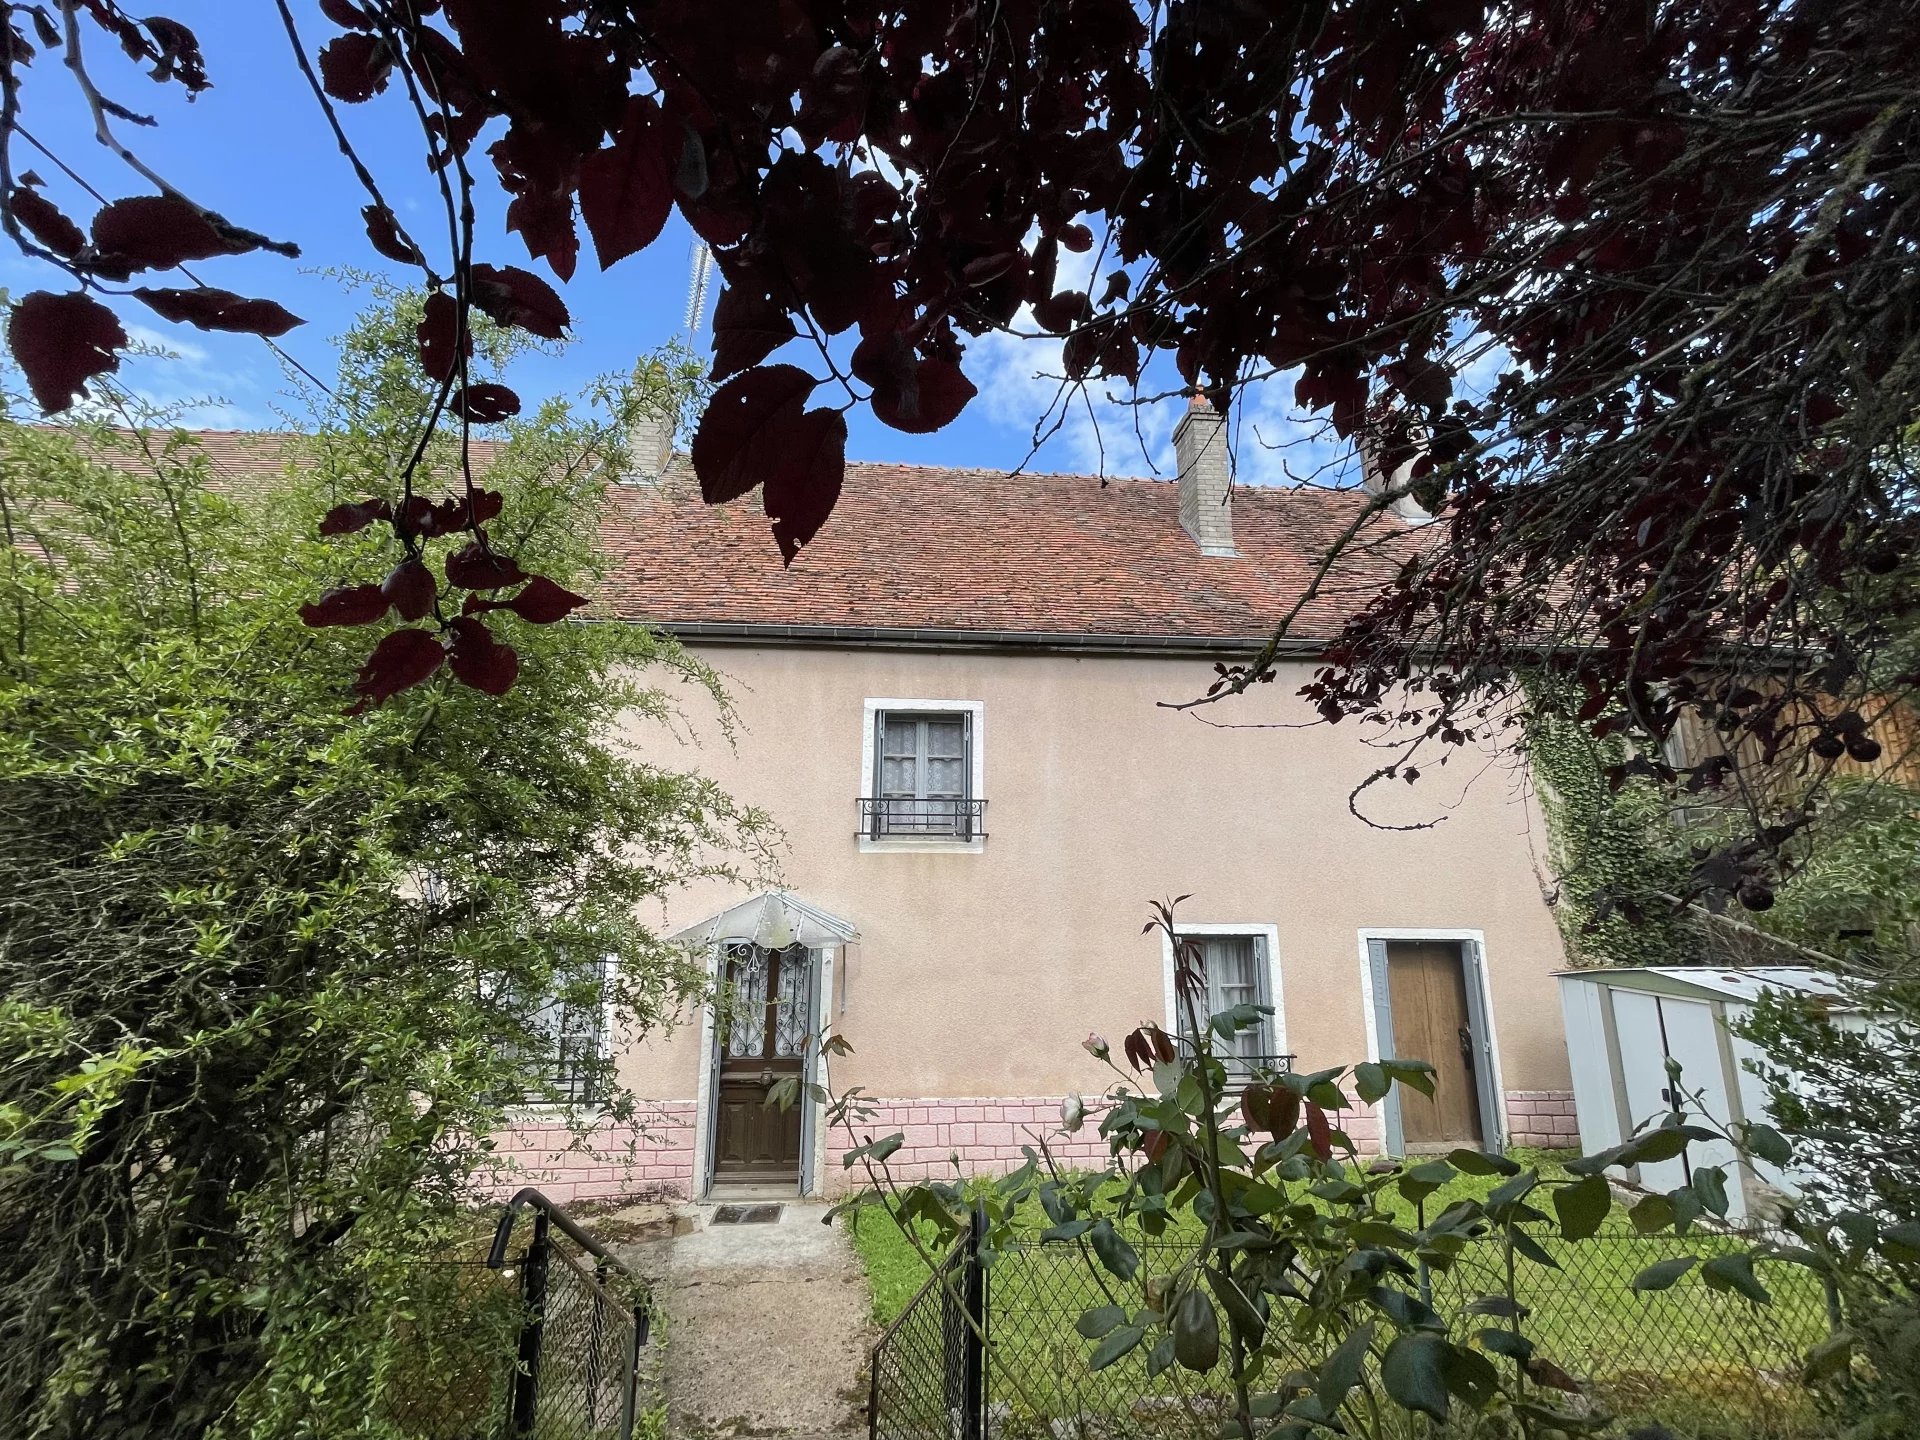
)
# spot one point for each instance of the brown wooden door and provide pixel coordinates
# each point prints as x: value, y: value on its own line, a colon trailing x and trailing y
x: 754, y: 1141
x: 1427, y: 990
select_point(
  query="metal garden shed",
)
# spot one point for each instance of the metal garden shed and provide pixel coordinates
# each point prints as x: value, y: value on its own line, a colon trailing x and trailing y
x: 1624, y: 1025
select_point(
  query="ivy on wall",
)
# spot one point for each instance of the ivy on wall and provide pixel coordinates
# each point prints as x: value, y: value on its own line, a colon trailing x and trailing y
x: 1853, y: 882
x: 1612, y: 852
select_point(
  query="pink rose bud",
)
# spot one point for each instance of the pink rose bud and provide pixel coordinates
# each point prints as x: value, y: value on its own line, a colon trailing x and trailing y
x: 1095, y: 1047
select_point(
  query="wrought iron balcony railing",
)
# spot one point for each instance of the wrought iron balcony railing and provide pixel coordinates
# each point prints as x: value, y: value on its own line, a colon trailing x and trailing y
x: 893, y: 818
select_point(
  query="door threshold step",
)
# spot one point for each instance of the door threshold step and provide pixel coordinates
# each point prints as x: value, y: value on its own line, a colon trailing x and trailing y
x: 747, y: 1192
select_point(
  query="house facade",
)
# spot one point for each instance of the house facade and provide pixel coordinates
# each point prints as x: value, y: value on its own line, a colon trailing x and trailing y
x: 958, y: 704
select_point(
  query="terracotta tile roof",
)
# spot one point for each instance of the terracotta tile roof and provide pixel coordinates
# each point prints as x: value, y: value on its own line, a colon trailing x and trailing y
x: 915, y: 547
x: 938, y: 548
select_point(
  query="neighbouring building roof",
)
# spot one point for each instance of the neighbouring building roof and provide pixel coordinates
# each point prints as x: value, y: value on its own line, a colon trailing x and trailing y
x: 936, y: 554
x: 934, y: 549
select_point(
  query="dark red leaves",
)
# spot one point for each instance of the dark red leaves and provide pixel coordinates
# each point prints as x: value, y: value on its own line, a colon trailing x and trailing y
x: 484, y: 403
x: 1058, y: 314
x: 1319, y: 1131
x: 803, y: 486
x: 348, y: 605
x: 401, y: 660
x: 746, y: 329
x: 383, y: 231
x: 626, y: 191
x: 756, y: 433
x: 355, y: 67
x: 410, y: 589
x: 543, y: 602
x: 478, y: 659
x: 212, y: 309
x: 427, y: 519
x: 475, y: 567
x: 833, y: 101
x: 346, y: 14
x: 745, y: 427
x: 156, y: 232
x: 936, y: 392
x: 1147, y: 1046
x: 345, y: 519
x: 512, y: 296
x: 1272, y: 1108
x: 442, y: 345
x: 61, y: 342
x: 45, y: 221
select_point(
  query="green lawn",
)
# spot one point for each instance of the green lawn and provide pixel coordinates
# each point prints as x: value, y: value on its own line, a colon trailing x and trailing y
x: 896, y: 1273
x: 1708, y: 1362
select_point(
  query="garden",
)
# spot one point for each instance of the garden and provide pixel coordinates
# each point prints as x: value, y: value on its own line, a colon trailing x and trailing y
x: 1701, y: 1362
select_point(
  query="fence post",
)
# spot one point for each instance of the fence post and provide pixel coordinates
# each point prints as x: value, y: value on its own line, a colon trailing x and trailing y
x: 524, y: 1403
x: 973, y: 1425
x: 1425, y: 1276
x: 630, y: 1395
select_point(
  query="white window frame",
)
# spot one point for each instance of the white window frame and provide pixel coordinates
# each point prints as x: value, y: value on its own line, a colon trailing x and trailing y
x: 1369, y: 1017
x: 1269, y: 933
x: 584, y: 1112
x: 975, y: 710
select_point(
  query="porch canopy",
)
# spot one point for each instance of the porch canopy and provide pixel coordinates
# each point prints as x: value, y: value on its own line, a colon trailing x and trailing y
x: 774, y: 919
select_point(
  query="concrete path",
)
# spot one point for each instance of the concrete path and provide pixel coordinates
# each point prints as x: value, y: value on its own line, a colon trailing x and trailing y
x: 766, y: 1328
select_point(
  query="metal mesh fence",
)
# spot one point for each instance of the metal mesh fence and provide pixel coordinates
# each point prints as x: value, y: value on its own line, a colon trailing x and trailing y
x: 1690, y: 1357
x: 546, y: 1348
x: 1682, y: 1356
x: 585, y: 1369
x: 918, y: 1377
x: 456, y: 1327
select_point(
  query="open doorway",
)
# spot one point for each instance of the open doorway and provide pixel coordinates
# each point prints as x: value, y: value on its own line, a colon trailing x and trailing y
x: 1429, y: 1003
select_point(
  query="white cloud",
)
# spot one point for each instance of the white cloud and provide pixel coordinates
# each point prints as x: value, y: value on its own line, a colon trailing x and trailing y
x: 175, y: 346
x: 1276, y: 444
x: 1087, y: 431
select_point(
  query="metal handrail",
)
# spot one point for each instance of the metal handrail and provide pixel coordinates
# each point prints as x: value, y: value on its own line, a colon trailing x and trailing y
x: 532, y: 1198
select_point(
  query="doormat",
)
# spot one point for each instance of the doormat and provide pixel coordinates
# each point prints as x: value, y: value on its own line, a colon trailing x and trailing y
x: 745, y: 1215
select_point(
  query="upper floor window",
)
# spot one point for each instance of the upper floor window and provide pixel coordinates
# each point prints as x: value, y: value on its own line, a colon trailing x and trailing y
x: 923, y: 773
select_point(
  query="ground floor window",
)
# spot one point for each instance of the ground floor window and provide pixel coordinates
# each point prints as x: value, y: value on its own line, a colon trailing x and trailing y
x: 1238, y: 966
x: 563, y: 1050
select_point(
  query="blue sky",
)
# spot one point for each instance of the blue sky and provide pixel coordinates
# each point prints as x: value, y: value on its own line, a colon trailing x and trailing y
x: 256, y: 148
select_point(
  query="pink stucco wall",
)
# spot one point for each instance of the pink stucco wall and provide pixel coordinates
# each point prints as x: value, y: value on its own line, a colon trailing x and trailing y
x: 976, y: 976
x: 652, y: 1155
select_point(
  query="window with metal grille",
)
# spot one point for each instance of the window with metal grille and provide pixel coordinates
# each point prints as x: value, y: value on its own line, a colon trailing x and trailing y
x: 563, y: 1055
x: 923, y: 775
x: 1238, y: 971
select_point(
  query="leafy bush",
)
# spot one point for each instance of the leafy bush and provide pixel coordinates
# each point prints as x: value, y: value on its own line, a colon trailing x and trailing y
x: 273, y: 973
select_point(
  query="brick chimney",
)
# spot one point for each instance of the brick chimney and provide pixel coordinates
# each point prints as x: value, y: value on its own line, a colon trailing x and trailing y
x: 1395, y: 487
x: 1206, y: 477
x: 649, y: 446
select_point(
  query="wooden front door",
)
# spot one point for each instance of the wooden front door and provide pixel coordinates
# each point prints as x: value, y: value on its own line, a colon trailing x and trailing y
x: 1427, y: 985
x: 763, y: 1042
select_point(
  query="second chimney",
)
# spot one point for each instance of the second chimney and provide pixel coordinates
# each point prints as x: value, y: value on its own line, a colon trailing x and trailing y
x: 649, y: 446
x: 1206, y: 477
